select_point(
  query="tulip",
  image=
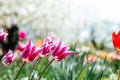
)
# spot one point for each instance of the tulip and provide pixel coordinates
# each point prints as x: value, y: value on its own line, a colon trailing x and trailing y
x: 47, y: 45
x: 22, y: 35
x: 30, y: 52
x: 116, y: 40
x: 2, y: 36
x: 38, y: 44
x: 8, y: 58
x: 61, y: 51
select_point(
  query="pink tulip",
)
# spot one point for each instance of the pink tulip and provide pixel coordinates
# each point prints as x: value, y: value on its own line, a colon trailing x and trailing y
x: 20, y: 47
x: 2, y: 36
x: 8, y: 58
x: 30, y: 52
x: 47, y: 45
x: 60, y: 51
x: 22, y: 35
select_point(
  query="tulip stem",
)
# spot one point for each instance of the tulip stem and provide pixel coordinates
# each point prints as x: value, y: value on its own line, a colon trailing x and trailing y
x: 1, y: 67
x: 34, y: 65
x: 45, y: 68
x: 119, y: 74
x: 38, y: 62
x: 19, y: 71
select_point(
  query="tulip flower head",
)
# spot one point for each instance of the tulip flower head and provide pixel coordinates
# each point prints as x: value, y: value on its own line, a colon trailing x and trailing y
x: 8, y: 58
x: 30, y: 52
x: 116, y: 40
x: 47, y: 45
x: 61, y: 51
x: 22, y: 35
x: 2, y: 36
x: 49, y: 39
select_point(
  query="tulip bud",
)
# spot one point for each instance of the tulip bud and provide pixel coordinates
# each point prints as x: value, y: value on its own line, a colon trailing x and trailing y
x: 22, y: 35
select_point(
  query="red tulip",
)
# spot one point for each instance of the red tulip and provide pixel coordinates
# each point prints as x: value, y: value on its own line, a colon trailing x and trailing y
x: 116, y: 40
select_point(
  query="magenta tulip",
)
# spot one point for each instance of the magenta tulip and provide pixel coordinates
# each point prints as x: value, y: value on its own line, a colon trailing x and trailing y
x: 8, y: 58
x: 30, y: 52
x: 2, y: 36
x: 22, y: 35
x: 47, y: 45
x: 20, y: 47
x: 61, y: 51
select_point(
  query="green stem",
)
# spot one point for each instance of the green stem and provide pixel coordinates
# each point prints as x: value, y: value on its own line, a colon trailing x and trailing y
x: 1, y: 67
x: 40, y: 58
x: 19, y: 71
x: 34, y: 65
x: 119, y: 74
x: 45, y: 69
x: 1, y: 64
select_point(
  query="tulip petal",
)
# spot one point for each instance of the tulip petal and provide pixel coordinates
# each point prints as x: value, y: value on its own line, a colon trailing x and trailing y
x: 65, y: 54
x: 27, y: 50
x: 116, y: 40
x: 57, y: 48
x: 61, y: 51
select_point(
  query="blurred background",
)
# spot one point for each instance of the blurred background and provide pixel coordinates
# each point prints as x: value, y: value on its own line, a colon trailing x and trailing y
x: 70, y: 20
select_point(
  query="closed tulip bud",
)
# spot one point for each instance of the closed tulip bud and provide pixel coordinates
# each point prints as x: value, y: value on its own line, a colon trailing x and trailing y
x: 22, y: 35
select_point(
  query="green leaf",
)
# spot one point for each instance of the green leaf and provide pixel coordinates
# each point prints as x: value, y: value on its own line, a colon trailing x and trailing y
x: 83, y: 73
x: 99, y: 76
x: 91, y: 73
